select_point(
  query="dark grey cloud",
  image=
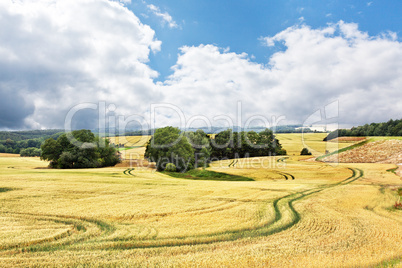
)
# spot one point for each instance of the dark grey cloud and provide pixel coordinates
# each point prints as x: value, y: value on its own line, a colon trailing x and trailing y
x: 13, y: 107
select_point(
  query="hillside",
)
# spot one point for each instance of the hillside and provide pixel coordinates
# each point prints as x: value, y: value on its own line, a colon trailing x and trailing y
x: 376, y: 151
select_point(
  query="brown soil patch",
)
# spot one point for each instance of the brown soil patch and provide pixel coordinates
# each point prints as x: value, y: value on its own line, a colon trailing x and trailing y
x: 387, y: 151
x: 9, y: 155
x: 136, y: 163
x: 348, y: 139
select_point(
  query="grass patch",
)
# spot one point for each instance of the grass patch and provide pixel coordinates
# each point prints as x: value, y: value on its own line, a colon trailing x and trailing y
x: 199, y: 174
x: 5, y: 189
x: 392, y: 170
x: 129, y: 148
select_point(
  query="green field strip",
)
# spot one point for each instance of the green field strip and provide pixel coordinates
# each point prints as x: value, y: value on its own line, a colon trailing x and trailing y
x: 351, y: 147
x: 282, y: 159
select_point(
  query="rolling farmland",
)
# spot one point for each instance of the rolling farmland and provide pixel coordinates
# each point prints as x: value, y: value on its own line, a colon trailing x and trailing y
x: 133, y: 146
x: 293, y: 213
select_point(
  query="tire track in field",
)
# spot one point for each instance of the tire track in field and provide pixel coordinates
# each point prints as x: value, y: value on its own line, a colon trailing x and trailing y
x: 81, y: 229
x: 285, y: 217
x: 128, y: 172
x: 286, y: 175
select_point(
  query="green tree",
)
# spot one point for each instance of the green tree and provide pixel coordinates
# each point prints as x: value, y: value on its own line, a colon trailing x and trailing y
x: 169, y: 145
x: 31, y: 151
x: 10, y: 143
x: 79, y: 149
x: 305, y: 151
x: 228, y: 144
x: 199, y: 140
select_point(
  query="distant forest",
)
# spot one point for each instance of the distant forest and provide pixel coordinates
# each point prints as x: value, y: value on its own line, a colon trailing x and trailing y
x: 26, y: 143
x: 390, y: 128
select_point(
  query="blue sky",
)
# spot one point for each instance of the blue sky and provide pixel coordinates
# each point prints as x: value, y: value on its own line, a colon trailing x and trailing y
x: 193, y: 63
x: 239, y: 24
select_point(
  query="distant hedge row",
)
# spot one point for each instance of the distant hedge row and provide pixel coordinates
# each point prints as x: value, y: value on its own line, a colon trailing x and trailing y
x: 390, y: 128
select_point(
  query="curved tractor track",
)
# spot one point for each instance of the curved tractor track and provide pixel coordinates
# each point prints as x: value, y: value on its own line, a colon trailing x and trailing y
x: 79, y: 229
x: 285, y: 217
x: 128, y: 172
x: 76, y: 229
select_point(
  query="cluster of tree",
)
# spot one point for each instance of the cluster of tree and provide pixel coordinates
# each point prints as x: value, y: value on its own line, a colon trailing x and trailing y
x: 28, y: 134
x: 79, y: 149
x: 138, y: 132
x: 390, y: 128
x: 168, y: 145
x: 15, y: 142
x: 292, y: 129
x: 229, y: 145
x: 31, y: 151
x: 188, y: 150
x: 14, y: 147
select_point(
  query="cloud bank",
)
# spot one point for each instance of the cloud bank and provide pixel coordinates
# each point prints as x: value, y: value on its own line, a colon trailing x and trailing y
x: 55, y: 55
x: 317, y: 67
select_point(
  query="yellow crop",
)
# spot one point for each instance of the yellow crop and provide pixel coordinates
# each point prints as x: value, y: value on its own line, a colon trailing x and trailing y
x: 295, y: 214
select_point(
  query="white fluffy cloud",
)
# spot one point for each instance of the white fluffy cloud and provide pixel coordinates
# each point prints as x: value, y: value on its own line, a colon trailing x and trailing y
x: 317, y: 67
x: 57, y: 54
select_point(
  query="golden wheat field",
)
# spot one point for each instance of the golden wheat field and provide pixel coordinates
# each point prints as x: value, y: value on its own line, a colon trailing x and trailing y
x: 295, y: 213
x: 130, y: 141
x: 295, y: 142
x: 133, y: 146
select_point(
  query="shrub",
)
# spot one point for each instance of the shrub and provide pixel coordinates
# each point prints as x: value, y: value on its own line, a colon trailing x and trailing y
x: 170, y: 167
x: 305, y: 151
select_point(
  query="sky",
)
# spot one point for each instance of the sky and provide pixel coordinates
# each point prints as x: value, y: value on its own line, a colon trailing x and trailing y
x: 103, y: 63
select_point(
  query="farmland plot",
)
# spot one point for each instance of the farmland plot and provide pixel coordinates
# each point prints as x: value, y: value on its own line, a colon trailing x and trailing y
x: 293, y: 213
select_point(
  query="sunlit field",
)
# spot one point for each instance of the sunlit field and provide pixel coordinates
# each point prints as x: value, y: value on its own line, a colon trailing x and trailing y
x: 294, y: 213
x: 295, y: 142
x: 130, y: 141
x: 134, y: 146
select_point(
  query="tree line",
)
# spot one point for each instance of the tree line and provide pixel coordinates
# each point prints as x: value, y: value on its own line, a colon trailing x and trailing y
x: 390, y: 128
x: 192, y: 149
x: 26, y: 143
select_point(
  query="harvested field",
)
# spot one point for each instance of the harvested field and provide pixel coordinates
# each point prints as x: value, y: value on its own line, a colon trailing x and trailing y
x: 294, y: 213
x: 293, y: 143
x: 133, y: 153
x: 348, y: 139
x: 9, y: 155
x: 383, y: 151
x: 309, y: 214
x: 130, y: 141
x: 136, y: 163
